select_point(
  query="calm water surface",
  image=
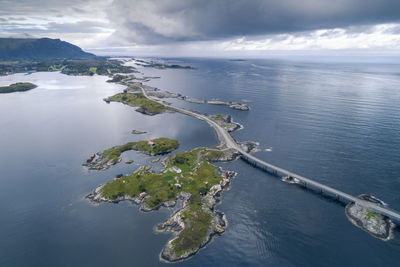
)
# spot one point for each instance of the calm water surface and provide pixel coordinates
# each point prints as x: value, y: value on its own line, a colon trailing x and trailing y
x: 336, y: 123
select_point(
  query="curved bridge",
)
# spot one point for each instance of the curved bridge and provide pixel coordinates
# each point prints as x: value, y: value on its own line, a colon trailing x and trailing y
x: 226, y: 139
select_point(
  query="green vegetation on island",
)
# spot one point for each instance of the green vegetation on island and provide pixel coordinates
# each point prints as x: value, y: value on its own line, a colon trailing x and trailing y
x: 154, y: 147
x: 138, y: 132
x: 187, y: 172
x: 17, y: 87
x: 187, y: 175
x: 198, y: 221
x: 146, y: 106
x: 112, y: 156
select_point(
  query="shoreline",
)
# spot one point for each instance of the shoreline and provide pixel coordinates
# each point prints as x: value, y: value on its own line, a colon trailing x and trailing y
x: 176, y: 223
x: 377, y: 225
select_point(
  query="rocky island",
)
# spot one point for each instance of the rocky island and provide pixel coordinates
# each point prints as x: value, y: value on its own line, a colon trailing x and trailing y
x: 375, y: 224
x: 17, y: 87
x: 187, y: 176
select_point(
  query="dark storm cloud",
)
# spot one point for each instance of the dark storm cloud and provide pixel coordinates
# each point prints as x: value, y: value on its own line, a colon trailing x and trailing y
x: 149, y: 21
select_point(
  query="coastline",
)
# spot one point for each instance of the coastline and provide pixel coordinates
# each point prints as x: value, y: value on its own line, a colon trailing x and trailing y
x: 175, y: 223
x: 377, y: 225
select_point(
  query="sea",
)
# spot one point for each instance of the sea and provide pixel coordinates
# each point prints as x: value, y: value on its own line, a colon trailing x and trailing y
x: 337, y: 122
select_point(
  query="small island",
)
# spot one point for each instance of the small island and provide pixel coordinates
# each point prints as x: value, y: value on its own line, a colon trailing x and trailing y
x: 107, y: 158
x: 138, y: 132
x: 375, y: 224
x: 187, y: 176
x: 17, y: 87
x: 146, y: 106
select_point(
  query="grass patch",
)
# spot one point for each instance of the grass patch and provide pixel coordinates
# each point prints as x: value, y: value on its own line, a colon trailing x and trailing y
x: 154, y: 147
x: 197, y: 222
x: 371, y: 214
x: 197, y: 177
x: 92, y: 70
x: 55, y: 68
x: 145, y: 105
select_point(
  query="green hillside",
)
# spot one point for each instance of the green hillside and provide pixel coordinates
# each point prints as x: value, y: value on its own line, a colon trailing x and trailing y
x: 16, y: 49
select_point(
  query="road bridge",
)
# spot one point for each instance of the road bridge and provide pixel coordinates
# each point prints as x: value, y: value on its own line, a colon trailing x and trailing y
x: 226, y: 139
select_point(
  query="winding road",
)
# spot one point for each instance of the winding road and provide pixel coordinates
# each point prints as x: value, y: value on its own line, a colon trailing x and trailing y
x: 226, y: 139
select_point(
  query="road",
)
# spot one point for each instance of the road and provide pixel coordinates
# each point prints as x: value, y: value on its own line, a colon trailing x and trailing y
x: 225, y: 138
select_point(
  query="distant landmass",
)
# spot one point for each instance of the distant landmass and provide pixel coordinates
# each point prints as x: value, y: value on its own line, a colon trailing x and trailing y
x: 40, y: 49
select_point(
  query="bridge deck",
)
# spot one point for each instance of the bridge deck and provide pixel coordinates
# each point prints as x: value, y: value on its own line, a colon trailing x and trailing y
x: 369, y: 205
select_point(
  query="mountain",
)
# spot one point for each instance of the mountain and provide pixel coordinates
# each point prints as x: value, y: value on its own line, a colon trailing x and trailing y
x: 39, y: 49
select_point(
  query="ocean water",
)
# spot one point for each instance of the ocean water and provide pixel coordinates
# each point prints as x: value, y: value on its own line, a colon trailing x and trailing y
x: 337, y: 123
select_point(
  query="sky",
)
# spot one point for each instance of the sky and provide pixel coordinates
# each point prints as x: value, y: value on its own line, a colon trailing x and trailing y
x: 211, y: 27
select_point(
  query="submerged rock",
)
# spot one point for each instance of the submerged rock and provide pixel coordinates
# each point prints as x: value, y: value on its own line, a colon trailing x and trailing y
x: 375, y: 224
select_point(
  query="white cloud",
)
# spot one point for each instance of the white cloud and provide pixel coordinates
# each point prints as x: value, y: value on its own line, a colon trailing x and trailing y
x: 381, y: 36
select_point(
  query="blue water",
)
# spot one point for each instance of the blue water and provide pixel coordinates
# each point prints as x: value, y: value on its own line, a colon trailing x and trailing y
x: 337, y: 123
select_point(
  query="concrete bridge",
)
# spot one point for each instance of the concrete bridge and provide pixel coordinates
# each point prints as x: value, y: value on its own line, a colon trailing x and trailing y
x: 320, y: 187
x: 227, y: 140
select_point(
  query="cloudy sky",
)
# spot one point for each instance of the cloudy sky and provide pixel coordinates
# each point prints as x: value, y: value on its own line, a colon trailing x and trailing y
x: 210, y: 27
